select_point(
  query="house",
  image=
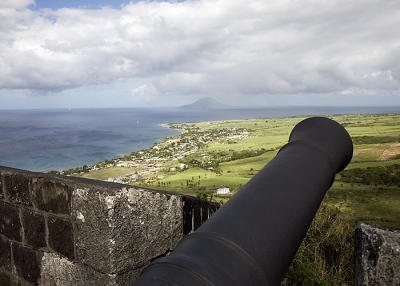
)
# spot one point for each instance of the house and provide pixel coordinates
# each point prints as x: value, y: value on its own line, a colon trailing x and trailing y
x: 223, y: 191
x: 134, y: 177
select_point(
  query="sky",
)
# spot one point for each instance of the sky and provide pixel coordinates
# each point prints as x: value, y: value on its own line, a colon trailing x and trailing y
x: 102, y: 53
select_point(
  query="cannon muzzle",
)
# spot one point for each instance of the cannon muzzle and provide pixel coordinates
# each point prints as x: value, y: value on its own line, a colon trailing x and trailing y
x: 252, y: 239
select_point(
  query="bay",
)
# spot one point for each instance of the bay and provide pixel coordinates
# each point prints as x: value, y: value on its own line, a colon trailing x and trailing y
x: 57, y: 139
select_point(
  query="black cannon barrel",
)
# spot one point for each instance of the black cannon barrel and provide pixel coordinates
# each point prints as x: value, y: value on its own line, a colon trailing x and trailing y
x: 252, y: 239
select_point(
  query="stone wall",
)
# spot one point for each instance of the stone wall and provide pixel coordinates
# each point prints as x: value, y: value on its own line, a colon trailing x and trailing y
x: 57, y: 230
x: 377, y: 255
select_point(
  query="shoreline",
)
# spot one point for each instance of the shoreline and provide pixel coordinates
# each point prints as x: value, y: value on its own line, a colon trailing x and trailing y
x: 114, y: 159
x: 61, y: 145
x: 182, y: 131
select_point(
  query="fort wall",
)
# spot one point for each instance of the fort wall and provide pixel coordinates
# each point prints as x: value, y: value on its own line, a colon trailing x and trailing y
x: 58, y: 230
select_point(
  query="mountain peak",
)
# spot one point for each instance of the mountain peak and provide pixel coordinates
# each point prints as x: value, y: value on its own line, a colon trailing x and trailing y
x: 206, y: 103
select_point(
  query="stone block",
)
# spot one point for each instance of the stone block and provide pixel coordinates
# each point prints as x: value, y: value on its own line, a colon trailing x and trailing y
x: 34, y: 228
x: 1, y: 188
x: 27, y: 263
x: 60, y: 271
x: 16, y: 281
x: 5, y: 279
x: 128, y: 277
x: 52, y: 197
x: 61, y: 237
x: 377, y: 255
x: 17, y: 187
x: 5, y: 255
x: 10, y: 225
x: 126, y: 228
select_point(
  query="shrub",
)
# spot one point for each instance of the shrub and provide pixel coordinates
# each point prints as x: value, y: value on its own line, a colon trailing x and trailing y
x: 325, y: 256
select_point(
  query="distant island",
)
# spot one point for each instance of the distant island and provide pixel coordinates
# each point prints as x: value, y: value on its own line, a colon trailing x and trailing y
x: 206, y: 103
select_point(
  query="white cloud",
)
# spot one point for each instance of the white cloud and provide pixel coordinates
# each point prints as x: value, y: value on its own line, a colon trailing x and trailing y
x: 210, y: 47
x: 145, y: 92
x: 16, y: 4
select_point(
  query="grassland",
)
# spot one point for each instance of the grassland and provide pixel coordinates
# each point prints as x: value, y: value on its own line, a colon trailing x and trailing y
x: 366, y: 191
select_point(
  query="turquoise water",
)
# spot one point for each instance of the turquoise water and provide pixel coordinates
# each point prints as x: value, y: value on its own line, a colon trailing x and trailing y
x: 42, y: 140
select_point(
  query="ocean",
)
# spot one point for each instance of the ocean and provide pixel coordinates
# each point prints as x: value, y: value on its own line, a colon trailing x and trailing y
x: 57, y: 139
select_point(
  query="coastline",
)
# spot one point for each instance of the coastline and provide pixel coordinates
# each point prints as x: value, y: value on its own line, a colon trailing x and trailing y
x: 167, y: 145
x: 168, y: 125
x: 112, y: 162
x: 107, y: 134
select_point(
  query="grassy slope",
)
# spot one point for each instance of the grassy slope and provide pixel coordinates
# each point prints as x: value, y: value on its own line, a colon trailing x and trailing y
x: 377, y: 204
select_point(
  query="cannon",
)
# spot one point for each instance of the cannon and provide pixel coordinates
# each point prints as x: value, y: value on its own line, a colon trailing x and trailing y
x: 252, y: 239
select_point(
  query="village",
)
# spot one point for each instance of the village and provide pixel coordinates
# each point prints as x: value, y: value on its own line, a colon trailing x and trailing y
x: 170, y: 156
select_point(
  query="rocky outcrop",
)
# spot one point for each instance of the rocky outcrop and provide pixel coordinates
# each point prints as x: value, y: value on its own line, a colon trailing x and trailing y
x: 377, y: 255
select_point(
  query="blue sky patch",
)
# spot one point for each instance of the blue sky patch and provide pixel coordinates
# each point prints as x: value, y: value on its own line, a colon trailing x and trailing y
x: 83, y: 4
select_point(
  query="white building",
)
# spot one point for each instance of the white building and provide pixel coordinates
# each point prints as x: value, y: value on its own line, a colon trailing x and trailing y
x: 223, y: 191
x: 134, y: 177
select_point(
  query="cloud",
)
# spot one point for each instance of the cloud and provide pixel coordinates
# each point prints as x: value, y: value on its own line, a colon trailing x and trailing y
x: 16, y: 4
x: 145, y: 92
x: 210, y: 47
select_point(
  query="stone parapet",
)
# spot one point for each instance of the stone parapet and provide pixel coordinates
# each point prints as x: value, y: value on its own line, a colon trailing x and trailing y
x: 57, y: 230
x: 377, y: 255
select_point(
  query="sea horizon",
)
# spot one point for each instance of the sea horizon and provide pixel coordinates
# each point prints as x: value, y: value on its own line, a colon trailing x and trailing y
x: 372, y: 107
x: 64, y: 138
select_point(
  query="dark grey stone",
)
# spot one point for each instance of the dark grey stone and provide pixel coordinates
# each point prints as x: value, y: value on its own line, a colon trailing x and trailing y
x: 27, y: 263
x: 10, y: 225
x: 17, y: 186
x: 61, y: 237
x: 377, y: 255
x: 34, y: 228
x: 5, y: 255
x: 51, y: 196
x: 1, y: 188
x: 5, y: 279
x: 17, y: 281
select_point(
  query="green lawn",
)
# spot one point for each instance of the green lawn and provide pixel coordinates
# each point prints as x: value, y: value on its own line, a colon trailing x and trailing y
x: 374, y: 204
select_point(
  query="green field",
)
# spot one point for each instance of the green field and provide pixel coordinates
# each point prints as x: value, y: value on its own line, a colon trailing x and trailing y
x: 368, y: 190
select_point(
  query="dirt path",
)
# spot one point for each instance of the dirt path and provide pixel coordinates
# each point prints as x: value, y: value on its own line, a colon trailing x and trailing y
x: 390, y: 152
